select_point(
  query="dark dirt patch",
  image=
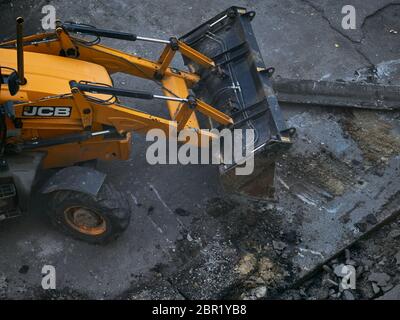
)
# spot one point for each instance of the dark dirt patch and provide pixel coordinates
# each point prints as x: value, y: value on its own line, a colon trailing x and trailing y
x: 374, y: 136
x: 152, y: 288
x: 24, y: 269
x: 241, y: 248
x: 237, y: 251
x: 64, y: 294
x: 376, y: 260
x: 322, y: 170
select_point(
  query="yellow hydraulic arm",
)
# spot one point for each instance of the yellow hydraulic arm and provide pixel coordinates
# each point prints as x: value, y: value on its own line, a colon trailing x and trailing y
x: 91, y: 107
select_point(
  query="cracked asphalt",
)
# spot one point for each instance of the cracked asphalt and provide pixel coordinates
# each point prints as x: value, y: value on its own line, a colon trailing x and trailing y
x: 300, y: 38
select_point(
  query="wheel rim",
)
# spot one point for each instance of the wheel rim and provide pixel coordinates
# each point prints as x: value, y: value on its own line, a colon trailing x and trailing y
x: 85, y: 220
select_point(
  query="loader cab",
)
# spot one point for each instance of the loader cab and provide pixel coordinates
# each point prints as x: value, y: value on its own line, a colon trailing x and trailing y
x: 28, y: 76
x: 51, y: 81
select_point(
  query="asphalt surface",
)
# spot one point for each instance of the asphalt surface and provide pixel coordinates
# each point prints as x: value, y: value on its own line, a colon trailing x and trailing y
x: 301, y: 39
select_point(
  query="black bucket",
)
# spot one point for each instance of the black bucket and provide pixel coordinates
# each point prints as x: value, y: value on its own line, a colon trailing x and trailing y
x: 240, y: 86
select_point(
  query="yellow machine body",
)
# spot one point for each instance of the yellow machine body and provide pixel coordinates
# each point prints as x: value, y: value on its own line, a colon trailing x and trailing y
x: 48, y: 77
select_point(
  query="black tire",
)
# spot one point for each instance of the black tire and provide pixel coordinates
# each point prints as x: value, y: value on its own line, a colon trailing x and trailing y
x: 110, y: 211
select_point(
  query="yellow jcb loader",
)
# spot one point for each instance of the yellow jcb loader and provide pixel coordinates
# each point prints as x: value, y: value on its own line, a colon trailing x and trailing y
x: 59, y: 109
